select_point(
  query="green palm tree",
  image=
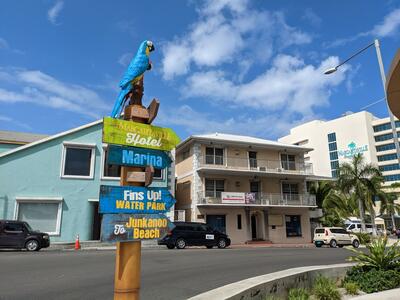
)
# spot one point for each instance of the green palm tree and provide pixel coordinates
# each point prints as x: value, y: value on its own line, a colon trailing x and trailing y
x: 374, y: 192
x: 321, y: 190
x: 389, y: 206
x: 340, y: 204
x: 355, y: 177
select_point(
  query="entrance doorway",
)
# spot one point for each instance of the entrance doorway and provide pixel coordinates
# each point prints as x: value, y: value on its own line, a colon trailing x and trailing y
x: 253, y: 227
x: 217, y: 222
x: 96, y: 222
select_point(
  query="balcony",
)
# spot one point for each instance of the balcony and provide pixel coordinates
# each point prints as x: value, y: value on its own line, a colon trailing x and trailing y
x: 255, y: 199
x: 254, y: 165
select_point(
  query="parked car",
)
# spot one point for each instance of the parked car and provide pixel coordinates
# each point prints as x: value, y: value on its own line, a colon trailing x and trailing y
x: 19, y: 235
x: 334, y: 237
x: 194, y: 234
x: 355, y: 226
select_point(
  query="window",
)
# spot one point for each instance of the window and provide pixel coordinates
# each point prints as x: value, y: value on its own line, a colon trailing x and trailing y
x: 385, y: 147
x: 334, y: 173
x: 332, y: 146
x: 334, y: 164
x: 288, y: 161
x: 293, y: 226
x: 41, y: 214
x: 332, y: 137
x: 13, y: 227
x: 185, y: 153
x: 290, y: 191
x: 109, y: 170
x: 214, y: 156
x: 78, y: 161
x: 320, y: 230
x: 390, y: 167
x: 387, y: 157
x: 239, y: 222
x: 333, y: 155
x: 395, y: 177
x: 385, y: 126
x: 214, y: 187
x: 252, y: 159
x: 384, y: 137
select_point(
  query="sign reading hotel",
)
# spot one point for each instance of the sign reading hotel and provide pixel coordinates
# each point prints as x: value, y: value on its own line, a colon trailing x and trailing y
x: 353, y: 150
x: 137, y: 157
x: 135, y: 134
x: 134, y: 200
x: 134, y: 227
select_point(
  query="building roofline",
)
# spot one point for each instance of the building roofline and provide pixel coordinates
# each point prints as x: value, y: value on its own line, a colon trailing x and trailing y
x: 278, y: 145
x: 50, y: 138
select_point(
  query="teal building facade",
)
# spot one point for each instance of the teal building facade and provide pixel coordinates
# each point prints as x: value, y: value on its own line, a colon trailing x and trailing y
x: 53, y: 183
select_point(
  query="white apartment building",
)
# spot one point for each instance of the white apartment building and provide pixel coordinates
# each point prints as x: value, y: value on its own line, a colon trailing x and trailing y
x: 338, y: 140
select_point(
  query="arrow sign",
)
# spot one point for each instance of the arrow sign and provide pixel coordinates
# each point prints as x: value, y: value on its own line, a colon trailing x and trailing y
x: 134, y: 134
x: 134, y: 227
x: 137, y: 157
x: 134, y: 200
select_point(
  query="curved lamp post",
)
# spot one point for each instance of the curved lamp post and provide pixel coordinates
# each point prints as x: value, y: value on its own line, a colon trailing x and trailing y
x: 383, y: 77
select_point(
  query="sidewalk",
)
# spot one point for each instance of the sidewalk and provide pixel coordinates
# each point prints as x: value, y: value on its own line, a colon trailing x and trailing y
x: 386, y: 295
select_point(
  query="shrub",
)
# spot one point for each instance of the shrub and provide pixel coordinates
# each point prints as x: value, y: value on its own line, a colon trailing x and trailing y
x: 351, y: 288
x: 325, y: 289
x: 378, y: 257
x: 363, y: 237
x: 372, y: 280
x: 298, y: 294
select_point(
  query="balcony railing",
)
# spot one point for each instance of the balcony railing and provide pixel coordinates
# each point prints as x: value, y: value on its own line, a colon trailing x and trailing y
x: 252, y: 164
x: 262, y: 199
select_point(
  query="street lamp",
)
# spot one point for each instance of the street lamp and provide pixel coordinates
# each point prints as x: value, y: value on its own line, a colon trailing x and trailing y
x: 383, y: 77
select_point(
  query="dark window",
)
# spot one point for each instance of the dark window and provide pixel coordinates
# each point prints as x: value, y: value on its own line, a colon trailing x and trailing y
x: 395, y: 177
x: 333, y: 155
x: 384, y: 137
x: 320, y: 230
x: 332, y: 146
x: 331, y: 137
x: 214, y: 187
x: 109, y: 169
x: 214, y: 156
x: 185, y: 154
x: 334, y: 173
x: 352, y: 226
x: 239, y: 221
x: 13, y: 227
x: 385, y: 147
x: 387, y: 157
x: 77, y: 161
x: 385, y: 126
x: 390, y: 167
x: 288, y: 161
x: 253, y: 159
x: 293, y: 226
x: 334, y: 164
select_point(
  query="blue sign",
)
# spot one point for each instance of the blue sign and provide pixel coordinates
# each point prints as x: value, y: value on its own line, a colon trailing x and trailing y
x: 134, y: 227
x: 137, y: 157
x: 134, y: 200
x: 353, y: 150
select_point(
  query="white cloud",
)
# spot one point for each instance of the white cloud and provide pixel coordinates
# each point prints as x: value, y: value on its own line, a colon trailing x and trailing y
x: 389, y: 26
x: 229, y: 32
x: 125, y: 59
x: 289, y: 84
x: 3, y: 44
x: 38, y: 88
x: 310, y: 16
x: 54, y: 11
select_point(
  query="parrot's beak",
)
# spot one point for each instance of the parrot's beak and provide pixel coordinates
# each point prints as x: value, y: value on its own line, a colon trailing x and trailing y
x: 149, y: 66
x: 151, y: 49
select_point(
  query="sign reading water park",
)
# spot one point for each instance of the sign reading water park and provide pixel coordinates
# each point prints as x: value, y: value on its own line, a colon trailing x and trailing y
x: 134, y: 227
x: 137, y: 157
x: 134, y: 200
x: 135, y: 134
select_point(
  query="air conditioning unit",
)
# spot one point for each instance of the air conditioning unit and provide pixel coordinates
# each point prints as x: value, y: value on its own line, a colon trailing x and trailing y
x: 262, y: 169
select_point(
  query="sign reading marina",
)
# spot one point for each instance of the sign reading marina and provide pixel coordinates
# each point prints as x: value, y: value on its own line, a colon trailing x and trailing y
x: 134, y: 200
x: 134, y: 134
x: 137, y: 157
x: 353, y: 150
x: 134, y: 227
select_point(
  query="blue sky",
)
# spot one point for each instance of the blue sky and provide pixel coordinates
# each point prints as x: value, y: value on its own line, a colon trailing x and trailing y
x: 246, y: 67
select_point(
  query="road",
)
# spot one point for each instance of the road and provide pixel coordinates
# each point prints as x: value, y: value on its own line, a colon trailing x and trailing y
x: 166, y: 274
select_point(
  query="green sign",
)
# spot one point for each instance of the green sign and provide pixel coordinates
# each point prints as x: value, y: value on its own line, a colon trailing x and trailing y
x: 134, y: 134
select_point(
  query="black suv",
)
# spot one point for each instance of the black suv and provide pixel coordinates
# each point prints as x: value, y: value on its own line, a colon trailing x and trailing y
x: 194, y: 234
x: 18, y: 235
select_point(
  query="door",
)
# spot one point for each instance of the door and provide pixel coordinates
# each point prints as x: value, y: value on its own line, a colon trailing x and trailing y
x: 217, y: 222
x: 253, y: 160
x: 254, y: 227
x: 96, y: 222
x: 13, y: 234
x: 205, y: 236
x: 255, y: 188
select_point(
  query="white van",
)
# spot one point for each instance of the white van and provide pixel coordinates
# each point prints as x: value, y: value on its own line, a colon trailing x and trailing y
x: 355, y: 226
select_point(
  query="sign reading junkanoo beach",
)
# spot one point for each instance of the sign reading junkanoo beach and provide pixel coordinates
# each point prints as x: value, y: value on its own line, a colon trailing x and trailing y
x: 134, y: 227
x: 137, y: 157
x: 134, y: 199
x: 135, y: 134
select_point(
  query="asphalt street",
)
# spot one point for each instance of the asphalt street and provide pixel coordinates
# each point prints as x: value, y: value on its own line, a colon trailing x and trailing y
x: 166, y: 274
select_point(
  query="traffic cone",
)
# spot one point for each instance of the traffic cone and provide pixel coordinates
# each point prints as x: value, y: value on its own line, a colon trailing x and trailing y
x: 77, y: 244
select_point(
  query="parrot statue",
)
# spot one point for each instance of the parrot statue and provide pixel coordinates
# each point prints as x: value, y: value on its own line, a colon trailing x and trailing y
x: 139, y: 64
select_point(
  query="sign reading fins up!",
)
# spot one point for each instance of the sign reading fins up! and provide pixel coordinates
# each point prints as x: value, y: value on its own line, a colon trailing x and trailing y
x: 135, y: 134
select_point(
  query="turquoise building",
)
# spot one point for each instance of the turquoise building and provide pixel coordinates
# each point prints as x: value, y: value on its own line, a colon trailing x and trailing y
x: 53, y: 183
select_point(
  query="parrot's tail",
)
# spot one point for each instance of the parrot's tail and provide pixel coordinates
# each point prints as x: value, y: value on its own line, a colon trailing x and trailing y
x: 119, y: 103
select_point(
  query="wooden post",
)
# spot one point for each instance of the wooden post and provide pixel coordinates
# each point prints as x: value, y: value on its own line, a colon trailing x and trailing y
x: 128, y: 256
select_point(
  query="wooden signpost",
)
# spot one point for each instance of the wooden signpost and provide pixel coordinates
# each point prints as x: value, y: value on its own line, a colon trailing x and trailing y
x: 133, y: 212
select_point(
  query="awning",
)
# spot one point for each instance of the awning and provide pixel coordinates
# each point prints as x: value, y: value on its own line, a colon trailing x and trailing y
x: 393, y: 86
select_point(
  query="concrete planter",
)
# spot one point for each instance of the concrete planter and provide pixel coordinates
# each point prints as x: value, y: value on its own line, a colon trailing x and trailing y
x: 274, y: 284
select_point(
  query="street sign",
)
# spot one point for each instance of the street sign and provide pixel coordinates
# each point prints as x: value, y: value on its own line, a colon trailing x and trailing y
x: 135, y: 134
x: 134, y: 227
x: 137, y: 157
x: 134, y: 200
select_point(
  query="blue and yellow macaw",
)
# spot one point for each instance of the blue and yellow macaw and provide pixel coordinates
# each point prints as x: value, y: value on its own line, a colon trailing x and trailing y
x: 139, y: 64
